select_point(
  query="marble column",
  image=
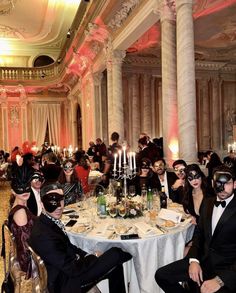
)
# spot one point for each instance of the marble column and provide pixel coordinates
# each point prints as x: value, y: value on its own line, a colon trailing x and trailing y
x: 146, y: 109
x: 205, y: 115
x: 97, y: 77
x: 186, y: 82
x: 118, y: 109
x: 135, y: 110
x: 4, y: 114
x: 24, y: 116
x: 169, y: 86
x: 215, y: 110
x: 109, y: 98
x: 160, y: 107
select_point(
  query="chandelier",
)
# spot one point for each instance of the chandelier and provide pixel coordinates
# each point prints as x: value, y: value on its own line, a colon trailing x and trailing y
x: 6, y: 6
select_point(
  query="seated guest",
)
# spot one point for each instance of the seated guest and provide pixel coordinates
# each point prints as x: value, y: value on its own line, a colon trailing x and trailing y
x: 20, y: 219
x: 195, y: 189
x: 34, y: 203
x: 144, y: 177
x: 70, y: 183
x: 210, y: 263
x: 50, y: 168
x: 69, y: 267
x: 82, y: 170
x: 178, y: 186
x: 147, y: 150
x: 164, y: 178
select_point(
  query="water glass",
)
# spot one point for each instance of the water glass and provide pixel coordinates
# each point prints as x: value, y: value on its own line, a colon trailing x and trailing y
x: 132, y: 190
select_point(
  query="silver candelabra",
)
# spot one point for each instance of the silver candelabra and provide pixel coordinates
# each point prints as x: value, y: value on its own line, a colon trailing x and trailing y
x: 126, y: 167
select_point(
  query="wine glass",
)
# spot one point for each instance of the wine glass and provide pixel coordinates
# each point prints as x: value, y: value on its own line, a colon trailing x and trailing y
x: 122, y: 210
x: 132, y: 190
x: 112, y: 210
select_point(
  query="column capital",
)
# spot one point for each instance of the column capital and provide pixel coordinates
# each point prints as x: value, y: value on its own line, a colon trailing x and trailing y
x: 168, y: 10
x: 97, y: 77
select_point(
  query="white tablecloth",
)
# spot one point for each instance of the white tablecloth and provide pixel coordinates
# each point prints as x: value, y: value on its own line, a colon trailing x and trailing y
x: 149, y: 254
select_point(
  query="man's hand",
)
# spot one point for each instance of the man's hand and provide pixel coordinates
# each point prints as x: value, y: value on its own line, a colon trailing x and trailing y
x: 195, y: 272
x: 210, y: 286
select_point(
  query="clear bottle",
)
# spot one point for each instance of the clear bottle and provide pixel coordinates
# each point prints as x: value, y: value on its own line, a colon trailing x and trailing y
x: 149, y: 199
x: 100, y: 194
x: 103, y: 207
x: 163, y: 198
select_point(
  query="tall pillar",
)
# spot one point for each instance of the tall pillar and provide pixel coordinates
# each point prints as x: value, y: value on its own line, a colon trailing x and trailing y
x: 146, y: 109
x: 109, y: 98
x: 135, y: 110
x: 216, y: 134
x: 186, y: 82
x: 24, y: 117
x: 98, y: 104
x: 118, y: 109
x: 169, y: 91
x: 3, y: 104
x: 205, y: 115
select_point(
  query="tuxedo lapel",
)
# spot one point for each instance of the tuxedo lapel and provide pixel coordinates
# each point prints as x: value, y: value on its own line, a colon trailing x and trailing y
x: 229, y: 211
x: 208, y: 221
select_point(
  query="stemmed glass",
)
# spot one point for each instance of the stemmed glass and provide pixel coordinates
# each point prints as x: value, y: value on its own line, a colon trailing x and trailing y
x: 132, y: 190
x: 113, y: 210
x: 122, y: 210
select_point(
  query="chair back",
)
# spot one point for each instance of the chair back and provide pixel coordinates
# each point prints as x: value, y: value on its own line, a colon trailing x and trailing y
x: 41, y: 277
x: 11, y: 262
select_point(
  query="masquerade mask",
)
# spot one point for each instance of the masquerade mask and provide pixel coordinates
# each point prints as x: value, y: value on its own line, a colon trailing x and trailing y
x: 37, y: 177
x: 145, y: 167
x: 20, y: 189
x: 68, y: 166
x: 21, y: 180
x: 180, y: 170
x: 219, y: 180
x: 193, y: 175
x: 52, y: 201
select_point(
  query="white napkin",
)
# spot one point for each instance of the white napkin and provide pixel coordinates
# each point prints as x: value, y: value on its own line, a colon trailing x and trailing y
x: 146, y: 230
x: 101, y: 231
x: 173, y: 216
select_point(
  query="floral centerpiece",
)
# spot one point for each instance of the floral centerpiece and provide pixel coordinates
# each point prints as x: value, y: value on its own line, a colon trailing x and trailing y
x: 132, y: 208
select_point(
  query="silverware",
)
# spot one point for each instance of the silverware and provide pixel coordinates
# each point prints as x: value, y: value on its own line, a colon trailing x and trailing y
x: 161, y: 229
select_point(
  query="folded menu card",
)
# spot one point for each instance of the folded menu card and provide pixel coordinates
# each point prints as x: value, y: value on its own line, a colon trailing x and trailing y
x: 146, y: 230
x: 171, y: 215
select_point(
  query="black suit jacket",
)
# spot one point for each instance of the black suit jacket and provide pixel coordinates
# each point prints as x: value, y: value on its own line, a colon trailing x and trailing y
x: 60, y: 256
x: 32, y: 203
x: 171, y: 177
x: 217, y: 252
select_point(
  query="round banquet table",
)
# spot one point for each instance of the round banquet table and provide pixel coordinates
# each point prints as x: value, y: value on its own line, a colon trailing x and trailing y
x: 149, y: 253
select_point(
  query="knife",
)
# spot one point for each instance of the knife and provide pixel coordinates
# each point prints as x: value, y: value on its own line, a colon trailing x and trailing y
x: 161, y: 229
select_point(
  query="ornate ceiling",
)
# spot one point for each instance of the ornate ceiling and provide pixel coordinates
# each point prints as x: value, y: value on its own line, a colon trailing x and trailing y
x: 34, y: 27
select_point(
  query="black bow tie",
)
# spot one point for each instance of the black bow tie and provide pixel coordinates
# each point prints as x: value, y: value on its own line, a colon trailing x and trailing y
x: 219, y: 202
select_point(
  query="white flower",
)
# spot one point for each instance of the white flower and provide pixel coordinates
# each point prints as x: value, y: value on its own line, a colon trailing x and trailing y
x: 133, y: 212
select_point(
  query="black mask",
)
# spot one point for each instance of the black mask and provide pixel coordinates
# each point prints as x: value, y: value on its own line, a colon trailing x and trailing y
x: 193, y: 175
x: 52, y: 201
x: 219, y: 180
x: 20, y: 182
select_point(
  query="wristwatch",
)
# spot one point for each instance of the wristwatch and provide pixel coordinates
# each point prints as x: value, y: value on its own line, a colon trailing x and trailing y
x: 220, y: 282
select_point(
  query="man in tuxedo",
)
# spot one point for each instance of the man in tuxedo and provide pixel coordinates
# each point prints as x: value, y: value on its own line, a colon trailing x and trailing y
x: 69, y: 268
x: 34, y: 203
x: 211, y: 261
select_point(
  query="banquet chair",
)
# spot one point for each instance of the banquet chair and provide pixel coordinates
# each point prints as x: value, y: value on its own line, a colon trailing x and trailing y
x: 11, y: 263
x: 39, y: 273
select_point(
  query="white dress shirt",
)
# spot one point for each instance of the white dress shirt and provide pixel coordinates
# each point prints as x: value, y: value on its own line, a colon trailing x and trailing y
x: 38, y: 200
x: 165, y: 184
x: 218, y: 211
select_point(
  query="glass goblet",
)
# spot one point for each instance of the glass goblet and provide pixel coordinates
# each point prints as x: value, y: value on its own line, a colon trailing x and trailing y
x: 122, y: 210
x: 113, y: 210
